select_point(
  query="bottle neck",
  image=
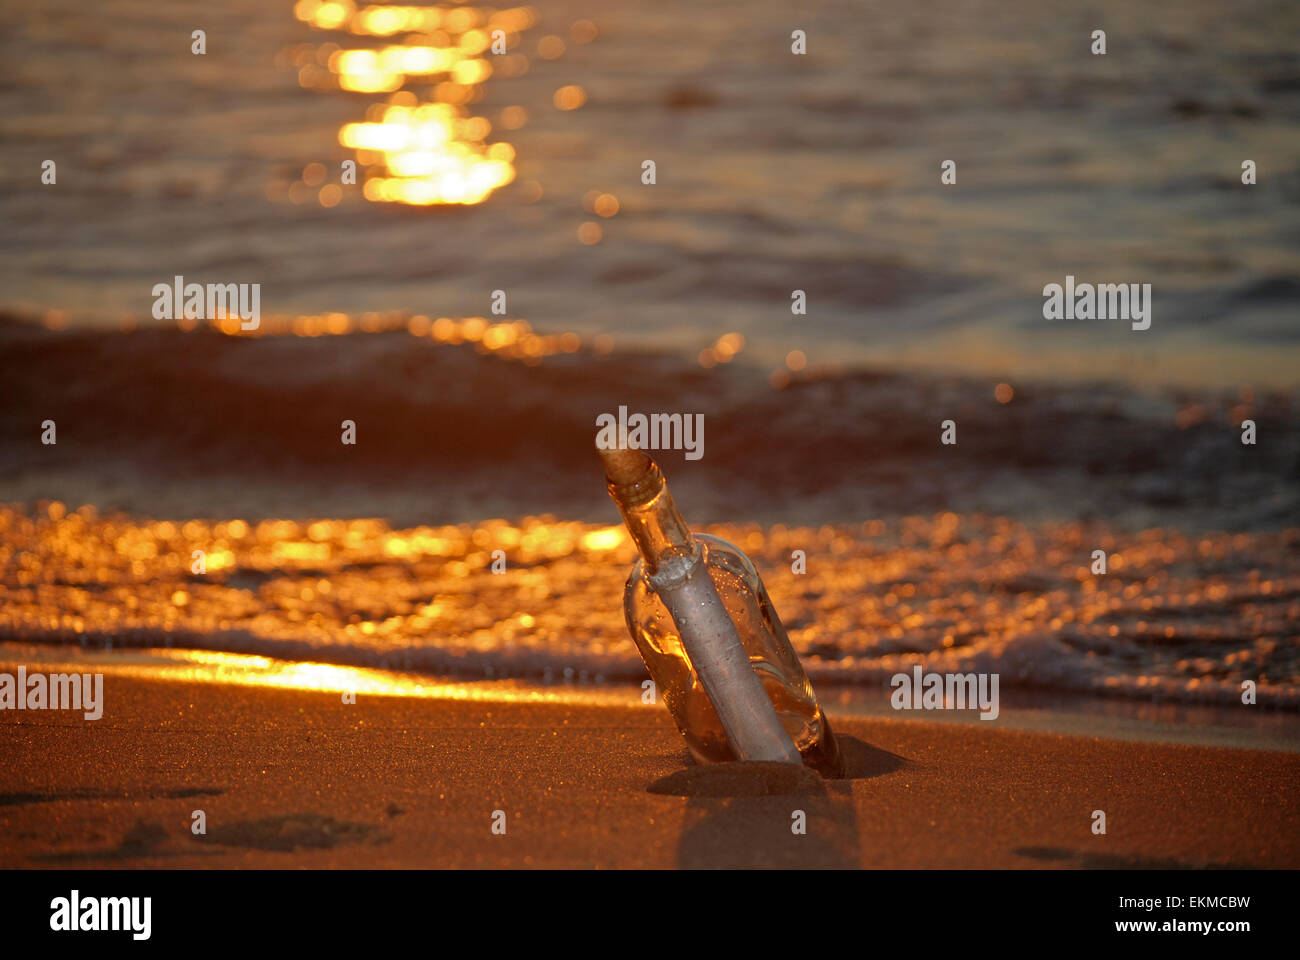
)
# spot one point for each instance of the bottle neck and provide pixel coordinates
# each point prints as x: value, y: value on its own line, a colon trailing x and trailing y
x: 652, y: 518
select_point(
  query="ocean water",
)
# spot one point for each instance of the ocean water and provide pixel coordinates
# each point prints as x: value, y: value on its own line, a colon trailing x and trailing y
x: 775, y: 173
x: 975, y: 557
x: 1179, y: 618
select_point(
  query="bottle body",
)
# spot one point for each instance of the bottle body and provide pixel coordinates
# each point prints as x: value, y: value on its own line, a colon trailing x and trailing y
x: 765, y: 641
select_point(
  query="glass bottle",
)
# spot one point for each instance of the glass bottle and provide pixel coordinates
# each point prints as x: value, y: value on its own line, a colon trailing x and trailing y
x: 691, y: 600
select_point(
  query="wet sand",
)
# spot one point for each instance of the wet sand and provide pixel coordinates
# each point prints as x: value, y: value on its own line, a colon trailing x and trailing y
x: 291, y: 778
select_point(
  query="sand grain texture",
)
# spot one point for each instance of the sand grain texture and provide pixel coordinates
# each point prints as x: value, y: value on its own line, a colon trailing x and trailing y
x: 294, y: 779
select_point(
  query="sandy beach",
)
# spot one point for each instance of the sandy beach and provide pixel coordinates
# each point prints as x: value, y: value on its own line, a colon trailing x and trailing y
x: 300, y: 779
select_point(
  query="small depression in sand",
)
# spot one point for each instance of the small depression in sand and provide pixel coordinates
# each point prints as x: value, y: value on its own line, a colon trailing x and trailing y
x: 763, y: 779
x: 290, y: 832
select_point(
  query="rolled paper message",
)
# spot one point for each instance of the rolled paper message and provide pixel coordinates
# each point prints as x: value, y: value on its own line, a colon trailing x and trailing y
x: 711, y: 641
x: 680, y: 577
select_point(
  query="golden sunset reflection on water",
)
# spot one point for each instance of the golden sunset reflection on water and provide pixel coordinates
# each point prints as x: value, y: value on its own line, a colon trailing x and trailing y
x: 245, y: 670
x: 428, y: 149
x: 509, y: 339
x: 539, y: 598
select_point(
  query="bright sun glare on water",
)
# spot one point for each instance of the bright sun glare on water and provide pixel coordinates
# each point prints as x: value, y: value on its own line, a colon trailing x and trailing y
x: 419, y: 150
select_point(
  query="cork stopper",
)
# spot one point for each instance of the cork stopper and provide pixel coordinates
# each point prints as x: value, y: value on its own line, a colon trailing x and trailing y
x: 633, y: 477
x: 625, y: 467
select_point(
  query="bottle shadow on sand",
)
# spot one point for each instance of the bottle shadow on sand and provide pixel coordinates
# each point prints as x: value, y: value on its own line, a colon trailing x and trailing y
x: 774, y: 815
